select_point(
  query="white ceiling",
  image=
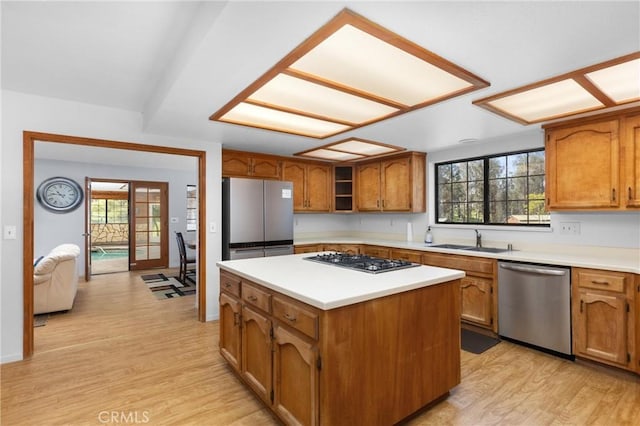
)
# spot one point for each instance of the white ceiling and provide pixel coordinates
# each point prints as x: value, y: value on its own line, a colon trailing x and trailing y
x: 178, y: 62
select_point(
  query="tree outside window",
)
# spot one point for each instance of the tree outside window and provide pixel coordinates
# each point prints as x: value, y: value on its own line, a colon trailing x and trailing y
x: 500, y: 189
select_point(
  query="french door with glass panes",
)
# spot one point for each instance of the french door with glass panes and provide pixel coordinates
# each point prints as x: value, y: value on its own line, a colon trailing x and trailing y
x: 149, y: 235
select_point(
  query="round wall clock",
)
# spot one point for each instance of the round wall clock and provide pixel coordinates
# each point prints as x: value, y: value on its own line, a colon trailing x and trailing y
x: 59, y: 194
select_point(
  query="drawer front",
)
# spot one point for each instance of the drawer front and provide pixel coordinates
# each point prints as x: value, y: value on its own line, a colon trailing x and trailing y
x: 230, y: 283
x: 256, y: 296
x: 376, y: 251
x: 601, y: 281
x: 296, y: 316
x: 408, y: 255
x: 466, y: 263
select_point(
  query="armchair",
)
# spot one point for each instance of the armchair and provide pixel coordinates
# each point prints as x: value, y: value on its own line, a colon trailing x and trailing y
x: 55, y: 280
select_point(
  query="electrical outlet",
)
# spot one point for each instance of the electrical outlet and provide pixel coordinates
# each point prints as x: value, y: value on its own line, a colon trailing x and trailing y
x: 570, y: 228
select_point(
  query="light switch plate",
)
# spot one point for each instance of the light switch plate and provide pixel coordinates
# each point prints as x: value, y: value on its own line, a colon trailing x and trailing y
x: 9, y: 232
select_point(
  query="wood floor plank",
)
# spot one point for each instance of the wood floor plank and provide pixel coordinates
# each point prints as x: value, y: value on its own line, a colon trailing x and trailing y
x: 121, y: 352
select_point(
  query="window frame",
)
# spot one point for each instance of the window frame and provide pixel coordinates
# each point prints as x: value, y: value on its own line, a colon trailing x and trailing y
x: 486, y: 191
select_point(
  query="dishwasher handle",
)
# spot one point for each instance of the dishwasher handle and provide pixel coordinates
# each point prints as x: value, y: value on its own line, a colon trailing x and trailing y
x: 533, y: 269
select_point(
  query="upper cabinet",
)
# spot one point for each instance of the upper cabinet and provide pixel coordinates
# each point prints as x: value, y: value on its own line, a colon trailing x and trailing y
x: 248, y: 164
x: 394, y: 184
x: 631, y: 153
x: 594, y: 163
x: 311, y: 185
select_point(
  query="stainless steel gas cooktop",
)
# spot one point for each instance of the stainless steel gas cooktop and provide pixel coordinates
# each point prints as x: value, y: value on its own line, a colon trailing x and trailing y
x: 362, y: 262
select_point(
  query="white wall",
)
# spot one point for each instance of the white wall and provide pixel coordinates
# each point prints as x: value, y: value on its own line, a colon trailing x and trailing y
x: 22, y: 112
x: 51, y: 229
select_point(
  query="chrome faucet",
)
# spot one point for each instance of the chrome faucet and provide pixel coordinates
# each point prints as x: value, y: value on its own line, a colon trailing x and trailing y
x: 478, y: 238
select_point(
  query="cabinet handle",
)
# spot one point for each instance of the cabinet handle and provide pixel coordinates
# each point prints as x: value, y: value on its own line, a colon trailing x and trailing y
x: 581, y: 303
x: 377, y: 203
x: 252, y: 298
x: 236, y: 318
x: 383, y: 204
x: 600, y: 282
x: 290, y: 317
x: 227, y: 285
x: 630, y: 194
x: 613, y: 193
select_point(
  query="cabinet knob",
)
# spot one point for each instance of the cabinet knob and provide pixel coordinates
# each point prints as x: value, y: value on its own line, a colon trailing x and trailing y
x: 252, y: 298
x: 290, y: 317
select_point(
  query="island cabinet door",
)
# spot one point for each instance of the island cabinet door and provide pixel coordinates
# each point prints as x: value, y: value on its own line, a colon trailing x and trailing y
x: 256, y: 352
x: 230, y: 330
x: 295, y: 378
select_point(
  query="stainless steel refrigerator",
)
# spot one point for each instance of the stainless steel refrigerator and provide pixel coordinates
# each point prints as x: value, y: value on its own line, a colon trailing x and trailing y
x: 257, y: 218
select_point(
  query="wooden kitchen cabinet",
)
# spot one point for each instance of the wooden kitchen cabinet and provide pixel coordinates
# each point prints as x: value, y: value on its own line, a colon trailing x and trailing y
x: 478, y: 289
x: 396, y: 184
x: 230, y: 313
x: 376, y: 251
x: 311, y: 185
x: 321, y: 361
x: 593, y: 163
x: 408, y: 255
x: 631, y: 159
x: 343, y: 248
x: 307, y: 248
x: 277, y: 340
x: 603, y: 315
x: 247, y: 164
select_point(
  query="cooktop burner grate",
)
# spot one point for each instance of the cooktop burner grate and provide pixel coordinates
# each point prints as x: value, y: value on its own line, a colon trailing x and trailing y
x: 361, y: 262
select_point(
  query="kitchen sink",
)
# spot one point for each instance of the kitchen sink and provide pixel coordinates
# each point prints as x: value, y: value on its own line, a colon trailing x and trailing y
x: 452, y: 246
x: 486, y: 249
x: 470, y: 248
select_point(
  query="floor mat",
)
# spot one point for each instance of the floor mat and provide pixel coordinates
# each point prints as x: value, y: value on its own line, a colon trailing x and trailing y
x: 475, y: 342
x: 164, y: 287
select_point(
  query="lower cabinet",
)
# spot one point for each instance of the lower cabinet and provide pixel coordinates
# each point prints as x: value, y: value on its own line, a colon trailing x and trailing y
x: 307, y: 248
x: 295, y: 378
x: 331, y: 367
x: 343, y: 248
x: 272, y: 344
x: 478, y: 289
x: 604, y: 316
x: 376, y: 251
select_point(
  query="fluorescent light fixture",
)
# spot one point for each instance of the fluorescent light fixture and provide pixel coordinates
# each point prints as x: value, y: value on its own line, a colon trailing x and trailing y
x: 608, y: 84
x: 352, y: 149
x: 348, y: 74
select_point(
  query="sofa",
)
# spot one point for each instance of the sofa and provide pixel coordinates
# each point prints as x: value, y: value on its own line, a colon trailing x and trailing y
x: 55, y: 279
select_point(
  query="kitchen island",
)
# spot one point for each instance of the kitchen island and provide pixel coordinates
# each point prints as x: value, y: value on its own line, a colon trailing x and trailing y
x: 325, y: 345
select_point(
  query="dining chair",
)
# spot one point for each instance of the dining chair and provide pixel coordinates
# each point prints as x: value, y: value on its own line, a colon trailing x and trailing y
x: 185, y: 260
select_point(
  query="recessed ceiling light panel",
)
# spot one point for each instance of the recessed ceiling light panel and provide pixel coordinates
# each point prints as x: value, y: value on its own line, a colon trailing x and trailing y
x: 351, y: 149
x: 620, y: 82
x: 608, y: 84
x: 351, y: 72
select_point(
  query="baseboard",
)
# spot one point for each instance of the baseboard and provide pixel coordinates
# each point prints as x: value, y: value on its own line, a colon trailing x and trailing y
x: 11, y: 358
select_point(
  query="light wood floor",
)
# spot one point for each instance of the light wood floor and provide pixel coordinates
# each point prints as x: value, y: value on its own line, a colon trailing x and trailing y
x: 120, y: 352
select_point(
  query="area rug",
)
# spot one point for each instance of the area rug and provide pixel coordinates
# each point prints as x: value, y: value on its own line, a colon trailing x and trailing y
x: 164, y: 287
x: 40, y: 320
x: 475, y: 342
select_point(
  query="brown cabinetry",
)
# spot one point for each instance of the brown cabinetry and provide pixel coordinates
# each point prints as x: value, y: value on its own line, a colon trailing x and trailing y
x: 631, y: 159
x: 376, y: 251
x: 312, y: 366
x: 343, y: 248
x: 343, y: 189
x: 311, y: 185
x: 247, y: 164
x: 478, y: 289
x: 395, y: 184
x: 307, y: 248
x: 408, y: 255
x: 592, y: 163
x: 603, y: 316
x: 230, y: 313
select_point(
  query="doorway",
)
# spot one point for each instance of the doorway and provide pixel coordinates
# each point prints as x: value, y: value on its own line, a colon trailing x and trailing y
x: 108, y: 227
x: 29, y: 140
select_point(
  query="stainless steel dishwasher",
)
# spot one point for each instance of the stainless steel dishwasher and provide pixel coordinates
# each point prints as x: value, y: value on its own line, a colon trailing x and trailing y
x: 534, y: 305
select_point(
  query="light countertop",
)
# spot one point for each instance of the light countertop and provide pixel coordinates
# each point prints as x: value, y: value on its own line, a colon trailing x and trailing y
x: 328, y: 286
x: 612, y: 259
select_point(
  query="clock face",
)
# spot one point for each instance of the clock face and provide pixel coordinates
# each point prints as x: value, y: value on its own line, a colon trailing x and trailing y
x: 59, y: 195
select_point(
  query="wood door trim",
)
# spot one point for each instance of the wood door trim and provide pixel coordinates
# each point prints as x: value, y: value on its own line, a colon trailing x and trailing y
x: 28, y: 144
